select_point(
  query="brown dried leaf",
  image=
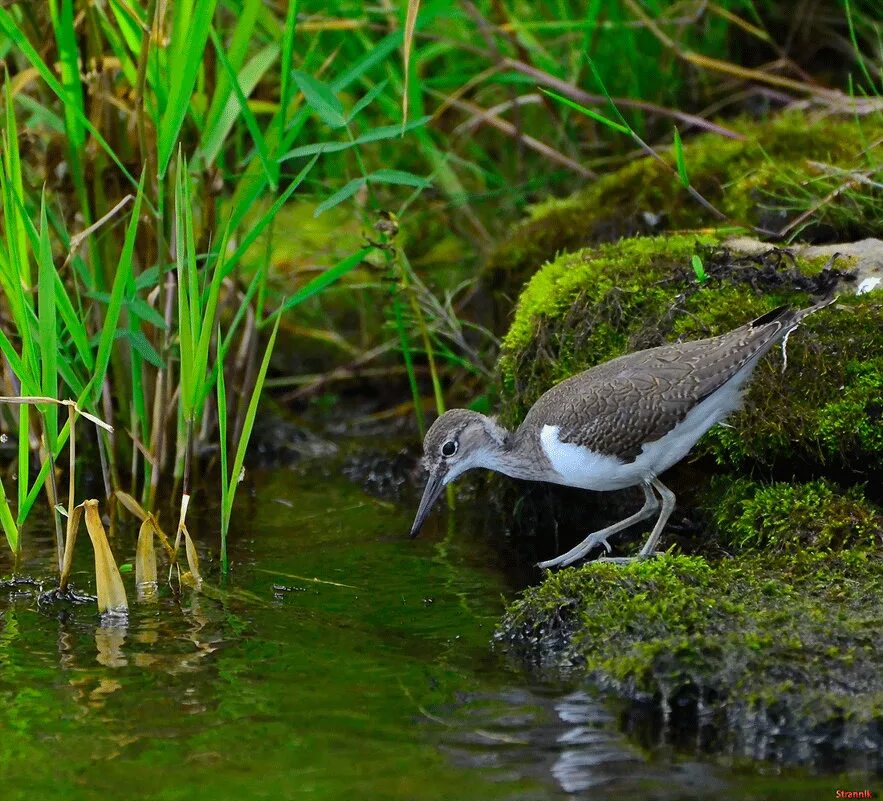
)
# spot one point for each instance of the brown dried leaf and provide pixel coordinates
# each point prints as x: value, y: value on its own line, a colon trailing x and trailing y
x: 108, y: 582
x: 192, y: 557
x: 142, y: 514
x: 167, y: 546
x: 73, y: 527
x: 131, y: 504
x: 407, y: 40
x: 145, y: 556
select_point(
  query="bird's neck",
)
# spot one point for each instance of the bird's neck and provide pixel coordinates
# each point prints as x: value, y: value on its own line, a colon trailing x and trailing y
x: 515, y: 454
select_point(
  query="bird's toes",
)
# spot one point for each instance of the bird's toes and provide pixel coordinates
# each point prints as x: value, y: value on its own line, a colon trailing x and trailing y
x: 599, y: 541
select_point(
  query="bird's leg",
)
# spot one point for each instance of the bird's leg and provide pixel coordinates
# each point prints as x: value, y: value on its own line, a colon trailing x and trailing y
x: 600, y: 537
x: 668, y: 506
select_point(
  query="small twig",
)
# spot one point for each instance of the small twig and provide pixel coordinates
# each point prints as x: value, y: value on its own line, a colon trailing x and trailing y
x: 534, y: 144
x: 859, y: 176
x: 78, y: 239
x: 588, y: 99
x: 494, y: 111
x: 816, y: 206
x: 831, y: 97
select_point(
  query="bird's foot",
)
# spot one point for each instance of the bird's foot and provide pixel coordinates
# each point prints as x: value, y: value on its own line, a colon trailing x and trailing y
x: 574, y: 555
x: 597, y: 538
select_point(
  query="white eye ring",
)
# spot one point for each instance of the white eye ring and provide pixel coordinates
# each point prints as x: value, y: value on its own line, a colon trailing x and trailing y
x: 449, y: 448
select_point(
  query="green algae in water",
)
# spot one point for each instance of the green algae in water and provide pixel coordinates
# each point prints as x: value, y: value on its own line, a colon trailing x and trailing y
x: 378, y: 683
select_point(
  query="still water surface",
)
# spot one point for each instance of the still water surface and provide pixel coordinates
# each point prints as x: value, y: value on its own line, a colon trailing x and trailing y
x: 377, y: 683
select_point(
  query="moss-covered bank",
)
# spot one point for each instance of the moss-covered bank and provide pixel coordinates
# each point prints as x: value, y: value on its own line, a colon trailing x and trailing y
x: 782, y: 168
x: 767, y: 655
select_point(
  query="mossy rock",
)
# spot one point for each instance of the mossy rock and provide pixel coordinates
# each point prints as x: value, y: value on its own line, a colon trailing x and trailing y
x: 790, y: 517
x: 772, y: 656
x: 783, y: 167
x: 822, y: 415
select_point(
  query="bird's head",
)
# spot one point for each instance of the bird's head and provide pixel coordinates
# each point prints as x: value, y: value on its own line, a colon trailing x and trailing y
x: 458, y: 441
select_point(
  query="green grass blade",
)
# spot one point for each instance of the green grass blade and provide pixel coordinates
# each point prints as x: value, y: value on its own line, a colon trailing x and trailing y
x: 252, y: 183
x: 367, y: 100
x: 190, y: 262
x: 10, y: 529
x: 376, y: 135
x: 13, y: 358
x: 270, y: 170
x: 699, y: 269
x: 248, y: 422
x: 624, y: 123
x: 321, y: 98
x: 317, y: 148
x: 74, y: 324
x: 193, y: 19
x: 285, y: 66
x: 591, y: 113
x: 679, y: 160
x: 24, y: 458
x: 142, y: 347
x: 222, y: 441
x: 398, y: 177
x: 256, y: 229
x: 14, y: 203
x: 74, y: 110
x: 124, y: 272
x: 128, y: 27
x: 243, y: 32
x: 216, y: 131
x: 124, y: 39
x: 859, y: 56
x: 344, y: 193
x: 48, y: 331
x: 332, y: 274
x: 11, y: 29
x: 186, y: 297
x: 208, y: 325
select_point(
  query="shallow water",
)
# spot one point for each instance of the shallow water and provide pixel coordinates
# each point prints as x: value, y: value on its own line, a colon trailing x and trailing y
x: 375, y: 682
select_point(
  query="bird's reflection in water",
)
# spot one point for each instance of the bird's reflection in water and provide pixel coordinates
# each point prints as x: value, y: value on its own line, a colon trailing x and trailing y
x: 573, y: 739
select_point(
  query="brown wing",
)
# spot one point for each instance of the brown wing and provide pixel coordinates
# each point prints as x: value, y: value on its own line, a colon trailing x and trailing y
x: 618, y: 406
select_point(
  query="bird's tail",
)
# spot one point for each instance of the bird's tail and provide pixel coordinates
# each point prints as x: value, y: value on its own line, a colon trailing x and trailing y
x: 786, y: 318
x: 802, y: 313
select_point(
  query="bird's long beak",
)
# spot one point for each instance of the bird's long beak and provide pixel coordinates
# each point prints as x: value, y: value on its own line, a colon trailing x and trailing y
x: 434, y: 486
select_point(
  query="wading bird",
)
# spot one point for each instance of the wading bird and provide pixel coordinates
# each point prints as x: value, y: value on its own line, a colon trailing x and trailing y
x: 620, y: 424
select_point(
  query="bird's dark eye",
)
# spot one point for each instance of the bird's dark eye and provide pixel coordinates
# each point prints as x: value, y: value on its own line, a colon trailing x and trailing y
x: 449, y: 448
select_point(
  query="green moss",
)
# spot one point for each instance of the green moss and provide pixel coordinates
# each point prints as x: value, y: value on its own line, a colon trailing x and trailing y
x: 766, y: 180
x: 854, y: 419
x: 797, y: 638
x: 825, y: 408
x: 784, y: 517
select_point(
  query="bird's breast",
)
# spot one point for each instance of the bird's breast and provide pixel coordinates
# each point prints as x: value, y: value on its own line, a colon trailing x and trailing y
x: 579, y: 466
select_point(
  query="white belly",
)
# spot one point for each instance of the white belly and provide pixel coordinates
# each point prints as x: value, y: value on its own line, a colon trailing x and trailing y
x: 582, y: 467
